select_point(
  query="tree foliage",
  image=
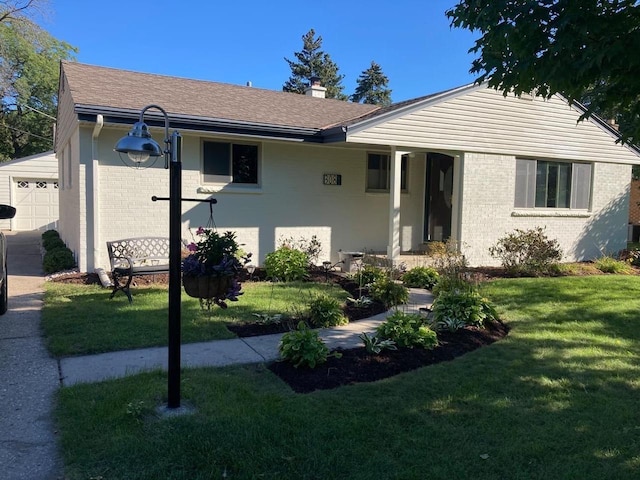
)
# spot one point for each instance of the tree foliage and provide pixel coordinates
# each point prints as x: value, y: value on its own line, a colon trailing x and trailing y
x: 20, y: 9
x: 582, y: 49
x: 29, y: 69
x: 311, y: 61
x: 372, y: 87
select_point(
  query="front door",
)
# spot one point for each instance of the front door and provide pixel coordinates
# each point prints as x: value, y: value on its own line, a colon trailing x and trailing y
x: 438, y: 197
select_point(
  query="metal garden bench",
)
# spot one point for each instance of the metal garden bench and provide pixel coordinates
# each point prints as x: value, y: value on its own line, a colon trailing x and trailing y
x: 136, y: 256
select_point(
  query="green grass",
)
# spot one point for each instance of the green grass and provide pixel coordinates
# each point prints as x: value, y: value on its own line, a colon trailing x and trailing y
x: 80, y: 319
x: 556, y: 399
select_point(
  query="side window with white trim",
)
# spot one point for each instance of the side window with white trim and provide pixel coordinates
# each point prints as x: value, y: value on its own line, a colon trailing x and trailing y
x: 225, y: 162
x: 551, y: 184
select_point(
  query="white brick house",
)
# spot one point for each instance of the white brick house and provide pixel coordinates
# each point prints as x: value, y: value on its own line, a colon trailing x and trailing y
x: 468, y: 163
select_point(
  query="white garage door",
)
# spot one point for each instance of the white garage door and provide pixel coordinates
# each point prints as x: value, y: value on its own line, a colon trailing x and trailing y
x: 36, y: 204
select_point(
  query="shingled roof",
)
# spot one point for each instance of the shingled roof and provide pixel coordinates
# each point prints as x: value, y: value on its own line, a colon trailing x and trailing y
x: 101, y: 88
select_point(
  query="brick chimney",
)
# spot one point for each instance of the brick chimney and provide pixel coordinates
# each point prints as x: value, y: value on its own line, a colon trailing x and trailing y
x: 315, y: 89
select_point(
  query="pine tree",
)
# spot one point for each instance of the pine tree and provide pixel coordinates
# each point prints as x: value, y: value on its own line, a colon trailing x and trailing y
x: 313, y: 62
x: 372, y: 87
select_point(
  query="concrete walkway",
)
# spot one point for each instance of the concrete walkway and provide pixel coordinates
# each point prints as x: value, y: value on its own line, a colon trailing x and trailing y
x: 29, y: 377
x: 95, y: 368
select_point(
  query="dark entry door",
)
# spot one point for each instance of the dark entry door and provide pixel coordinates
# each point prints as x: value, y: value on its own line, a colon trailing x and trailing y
x: 438, y: 197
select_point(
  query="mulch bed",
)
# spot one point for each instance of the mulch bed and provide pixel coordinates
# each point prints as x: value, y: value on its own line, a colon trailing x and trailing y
x: 358, y: 366
x: 355, y: 365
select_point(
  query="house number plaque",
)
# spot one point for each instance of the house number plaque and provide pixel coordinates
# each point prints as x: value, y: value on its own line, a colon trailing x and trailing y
x: 332, y: 179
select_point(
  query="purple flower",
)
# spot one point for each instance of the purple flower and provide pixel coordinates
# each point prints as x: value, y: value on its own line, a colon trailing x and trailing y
x: 192, y: 247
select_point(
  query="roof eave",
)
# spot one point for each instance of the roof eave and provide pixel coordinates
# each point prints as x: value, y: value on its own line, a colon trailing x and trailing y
x: 192, y: 122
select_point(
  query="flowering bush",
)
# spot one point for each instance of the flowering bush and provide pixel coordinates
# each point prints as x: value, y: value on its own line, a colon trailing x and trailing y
x: 216, y: 255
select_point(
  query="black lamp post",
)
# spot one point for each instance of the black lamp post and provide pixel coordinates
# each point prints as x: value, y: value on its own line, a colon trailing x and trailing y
x: 139, y: 146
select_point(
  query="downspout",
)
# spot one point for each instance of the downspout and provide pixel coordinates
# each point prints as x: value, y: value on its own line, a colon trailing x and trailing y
x: 94, y: 188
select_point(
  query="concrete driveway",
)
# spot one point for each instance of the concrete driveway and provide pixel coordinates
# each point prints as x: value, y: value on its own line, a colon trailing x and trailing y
x: 29, y: 377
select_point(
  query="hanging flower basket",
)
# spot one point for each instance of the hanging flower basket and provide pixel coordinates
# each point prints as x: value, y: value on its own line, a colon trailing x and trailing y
x: 207, y: 286
x: 211, y: 272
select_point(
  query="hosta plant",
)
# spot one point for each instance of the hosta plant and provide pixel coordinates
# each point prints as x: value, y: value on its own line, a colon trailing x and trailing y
x: 375, y: 345
x: 389, y: 292
x: 464, y: 306
x: 304, y: 347
x: 449, y: 324
x: 361, y: 302
x: 407, y: 330
x: 325, y: 311
x: 268, y: 319
x: 421, y: 277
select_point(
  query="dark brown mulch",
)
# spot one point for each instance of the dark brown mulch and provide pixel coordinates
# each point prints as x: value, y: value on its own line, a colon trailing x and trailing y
x: 77, y: 278
x: 358, y: 366
x: 92, y: 279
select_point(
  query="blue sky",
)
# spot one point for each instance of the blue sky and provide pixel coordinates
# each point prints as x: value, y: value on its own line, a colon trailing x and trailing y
x: 247, y: 40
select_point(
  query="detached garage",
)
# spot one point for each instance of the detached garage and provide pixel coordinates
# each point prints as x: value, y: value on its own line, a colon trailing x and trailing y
x: 31, y: 185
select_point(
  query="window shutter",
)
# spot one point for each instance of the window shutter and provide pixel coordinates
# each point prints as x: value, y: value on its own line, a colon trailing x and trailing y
x: 581, y: 185
x: 525, y: 195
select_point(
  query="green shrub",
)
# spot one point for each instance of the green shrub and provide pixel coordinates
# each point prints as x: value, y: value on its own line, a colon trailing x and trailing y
x: 462, y: 306
x: 434, y: 248
x: 452, y: 268
x: 421, y: 277
x: 50, y: 234
x: 368, y: 274
x: 562, y: 269
x: 286, y: 264
x: 389, y: 292
x: 407, y: 330
x: 311, y: 247
x: 325, y: 312
x: 527, y: 252
x: 631, y: 256
x: 452, y: 283
x: 607, y: 264
x: 303, y: 347
x: 51, y: 243
x: 57, y: 260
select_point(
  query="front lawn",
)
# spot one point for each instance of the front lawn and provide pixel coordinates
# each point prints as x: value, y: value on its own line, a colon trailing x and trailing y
x: 80, y: 319
x: 557, y: 399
